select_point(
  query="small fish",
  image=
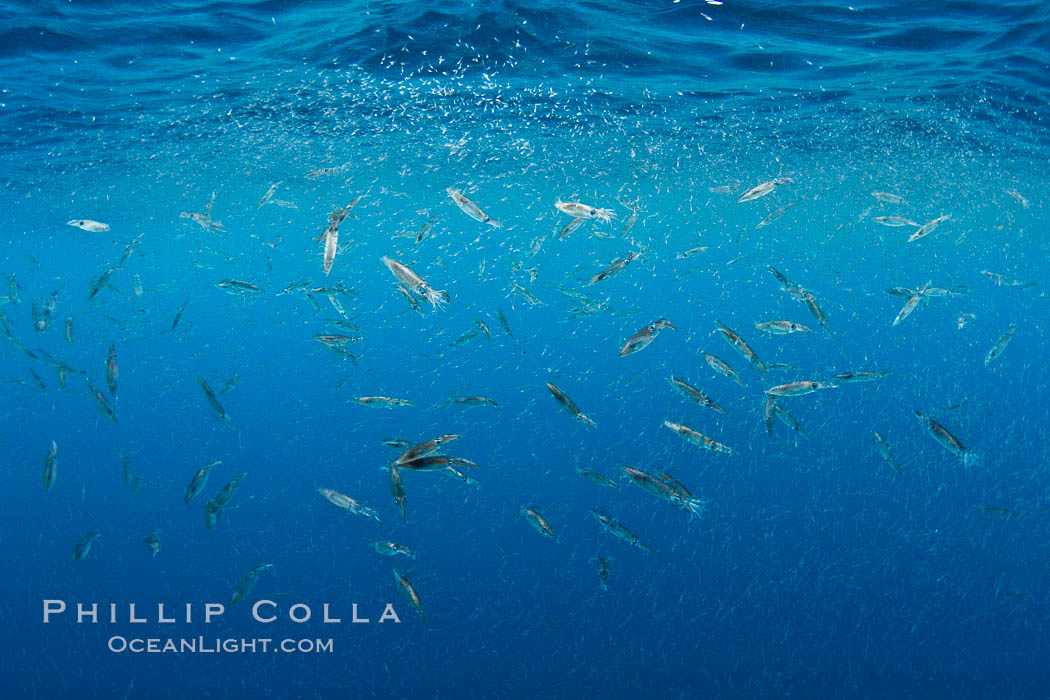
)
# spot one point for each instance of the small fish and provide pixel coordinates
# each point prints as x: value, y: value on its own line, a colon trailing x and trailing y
x: 565, y: 402
x: 763, y: 189
x: 888, y: 197
x: 69, y: 330
x: 470, y: 208
x: 51, y: 467
x: 583, y: 211
x: 89, y: 225
x: 539, y: 523
x: 83, y: 546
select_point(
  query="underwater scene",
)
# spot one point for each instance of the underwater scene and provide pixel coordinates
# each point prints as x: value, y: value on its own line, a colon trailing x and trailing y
x: 600, y: 349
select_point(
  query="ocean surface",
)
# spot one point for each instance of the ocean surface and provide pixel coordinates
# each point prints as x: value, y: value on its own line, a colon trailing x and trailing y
x: 773, y: 548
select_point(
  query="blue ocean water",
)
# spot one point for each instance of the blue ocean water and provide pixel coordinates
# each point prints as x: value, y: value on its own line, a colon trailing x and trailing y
x: 817, y: 570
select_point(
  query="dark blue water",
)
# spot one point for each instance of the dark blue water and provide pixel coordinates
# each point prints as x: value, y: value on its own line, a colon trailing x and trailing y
x: 816, y: 570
